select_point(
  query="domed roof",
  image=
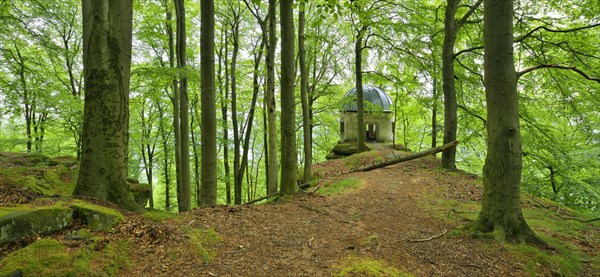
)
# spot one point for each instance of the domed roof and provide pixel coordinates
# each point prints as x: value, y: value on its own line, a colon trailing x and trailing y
x: 379, y: 100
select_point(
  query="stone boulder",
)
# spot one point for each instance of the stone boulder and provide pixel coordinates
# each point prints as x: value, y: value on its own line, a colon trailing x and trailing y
x: 25, y: 221
x: 97, y: 218
x: 141, y: 192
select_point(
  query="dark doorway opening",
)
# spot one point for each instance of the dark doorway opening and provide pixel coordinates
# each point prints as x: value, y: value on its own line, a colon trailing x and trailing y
x: 371, y: 132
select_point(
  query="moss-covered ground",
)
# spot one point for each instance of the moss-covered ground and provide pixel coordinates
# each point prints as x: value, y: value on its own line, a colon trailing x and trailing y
x: 567, y: 252
x: 47, y: 257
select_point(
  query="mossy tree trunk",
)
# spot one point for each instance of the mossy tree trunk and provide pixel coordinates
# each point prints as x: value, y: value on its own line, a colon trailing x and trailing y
x: 288, y: 103
x: 501, y: 208
x: 107, y: 27
x: 208, y: 190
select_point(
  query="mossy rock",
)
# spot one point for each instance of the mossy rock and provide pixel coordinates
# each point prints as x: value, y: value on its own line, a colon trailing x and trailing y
x: 96, y: 217
x: 141, y: 192
x: 49, y: 184
x: 47, y: 257
x: 27, y: 159
x: 24, y: 221
x: 346, y: 148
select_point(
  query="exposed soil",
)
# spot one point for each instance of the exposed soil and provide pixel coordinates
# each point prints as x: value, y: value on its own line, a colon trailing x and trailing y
x: 392, y: 218
x: 310, y: 235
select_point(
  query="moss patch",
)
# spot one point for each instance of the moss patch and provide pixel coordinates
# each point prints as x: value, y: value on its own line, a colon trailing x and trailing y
x: 98, y: 218
x: 48, y: 257
x: 158, y: 215
x: 24, y: 221
x: 358, y: 266
x: 200, y: 240
x: 340, y: 187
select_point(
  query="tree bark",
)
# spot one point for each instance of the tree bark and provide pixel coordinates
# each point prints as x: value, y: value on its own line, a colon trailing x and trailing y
x: 183, y: 187
x: 166, y: 164
x: 360, y: 107
x: 306, y: 124
x: 288, y: 104
x: 501, y: 207
x: 224, y: 91
x: 107, y: 31
x: 450, y: 122
x: 270, y: 95
x: 237, y: 183
x: 208, y: 190
x: 451, y: 27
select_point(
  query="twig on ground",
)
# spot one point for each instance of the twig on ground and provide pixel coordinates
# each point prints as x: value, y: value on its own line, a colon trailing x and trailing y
x: 190, y: 223
x: 310, y: 241
x: 429, y: 238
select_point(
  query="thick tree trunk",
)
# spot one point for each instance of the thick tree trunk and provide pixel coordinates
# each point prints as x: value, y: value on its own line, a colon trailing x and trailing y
x: 107, y: 26
x: 183, y: 188
x: 270, y: 95
x: 360, y: 107
x: 208, y: 192
x: 306, y: 124
x: 288, y: 104
x: 501, y: 207
x: 450, y: 122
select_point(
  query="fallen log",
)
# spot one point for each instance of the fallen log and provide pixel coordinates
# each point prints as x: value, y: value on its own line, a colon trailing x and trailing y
x: 411, y: 157
x: 261, y: 198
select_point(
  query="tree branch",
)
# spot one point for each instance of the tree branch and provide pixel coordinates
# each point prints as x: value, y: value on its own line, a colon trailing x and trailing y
x: 467, y: 50
x: 528, y: 34
x: 468, y: 14
x: 540, y: 66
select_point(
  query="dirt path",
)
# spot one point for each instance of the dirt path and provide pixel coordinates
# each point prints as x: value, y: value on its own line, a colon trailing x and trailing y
x: 312, y: 235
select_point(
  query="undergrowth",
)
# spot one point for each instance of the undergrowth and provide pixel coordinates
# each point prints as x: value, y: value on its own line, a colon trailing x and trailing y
x: 200, y: 240
x: 363, y: 266
x: 340, y: 187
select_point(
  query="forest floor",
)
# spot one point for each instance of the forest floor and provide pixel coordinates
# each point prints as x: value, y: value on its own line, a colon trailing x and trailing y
x: 400, y: 220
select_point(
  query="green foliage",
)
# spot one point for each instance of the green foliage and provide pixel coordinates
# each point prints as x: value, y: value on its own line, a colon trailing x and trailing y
x: 47, y: 257
x: 340, y: 187
x: 364, y: 266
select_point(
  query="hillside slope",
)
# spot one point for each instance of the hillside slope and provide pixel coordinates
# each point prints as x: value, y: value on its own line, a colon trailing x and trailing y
x: 400, y: 220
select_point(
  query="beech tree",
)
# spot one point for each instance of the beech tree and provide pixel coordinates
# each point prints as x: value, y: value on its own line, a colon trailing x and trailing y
x: 208, y: 192
x: 288, y: 104
x: 107, y: 27
x: 451, y: 28
x: 183, y: 186
x: 501, y: 203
